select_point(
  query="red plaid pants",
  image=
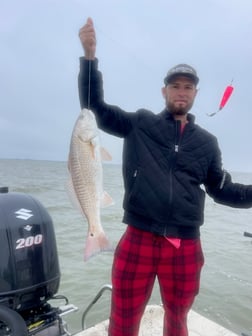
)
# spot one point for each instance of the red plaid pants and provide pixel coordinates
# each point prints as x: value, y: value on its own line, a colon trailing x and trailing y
x: 142, y: 256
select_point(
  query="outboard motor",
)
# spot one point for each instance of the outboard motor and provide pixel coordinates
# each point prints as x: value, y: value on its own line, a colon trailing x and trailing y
x: 29, y: 267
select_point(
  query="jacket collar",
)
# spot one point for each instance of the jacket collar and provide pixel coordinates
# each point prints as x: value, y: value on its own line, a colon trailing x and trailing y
x: 168, y: 116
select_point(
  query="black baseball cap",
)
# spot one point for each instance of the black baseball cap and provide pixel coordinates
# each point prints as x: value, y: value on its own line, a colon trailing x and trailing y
x: 181, y: 70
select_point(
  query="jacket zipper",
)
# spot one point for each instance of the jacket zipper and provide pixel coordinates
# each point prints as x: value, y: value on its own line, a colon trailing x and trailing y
x: 176, y: 150
x: 177, y: 136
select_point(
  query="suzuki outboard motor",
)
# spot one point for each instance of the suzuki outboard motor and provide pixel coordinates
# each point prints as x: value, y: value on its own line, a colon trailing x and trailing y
x: 29, y: 267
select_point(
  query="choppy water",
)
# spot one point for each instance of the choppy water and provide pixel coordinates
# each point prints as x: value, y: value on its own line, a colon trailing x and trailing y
x: 226, y: 283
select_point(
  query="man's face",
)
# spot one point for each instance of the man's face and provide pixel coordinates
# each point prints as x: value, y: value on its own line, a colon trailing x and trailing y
x: 179, y: 95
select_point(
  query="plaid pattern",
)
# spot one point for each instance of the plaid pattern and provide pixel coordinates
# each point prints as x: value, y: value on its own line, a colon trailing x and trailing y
x: 140, y: 257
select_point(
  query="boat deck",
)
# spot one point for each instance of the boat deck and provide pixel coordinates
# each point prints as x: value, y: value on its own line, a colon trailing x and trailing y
x: 152, y: 325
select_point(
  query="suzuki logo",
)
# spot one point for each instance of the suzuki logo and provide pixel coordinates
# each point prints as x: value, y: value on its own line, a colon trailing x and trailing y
x: 28, y: 227
x: 24, y: 214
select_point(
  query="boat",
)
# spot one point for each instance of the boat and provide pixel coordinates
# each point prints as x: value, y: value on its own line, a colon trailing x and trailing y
x: 30, y: 278
x: 152, y: 325
x: 152, y: 322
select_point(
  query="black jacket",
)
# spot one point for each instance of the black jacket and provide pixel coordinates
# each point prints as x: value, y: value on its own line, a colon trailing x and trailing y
x: 163, y: 170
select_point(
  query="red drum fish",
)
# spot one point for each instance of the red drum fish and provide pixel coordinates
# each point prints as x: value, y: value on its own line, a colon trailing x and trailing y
x: 86, y: 180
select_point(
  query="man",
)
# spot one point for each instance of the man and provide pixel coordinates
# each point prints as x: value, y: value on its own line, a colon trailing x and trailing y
x: 166, y: 158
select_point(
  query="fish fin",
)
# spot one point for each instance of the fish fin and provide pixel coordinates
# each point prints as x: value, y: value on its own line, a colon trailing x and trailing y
x: 96, y: 244
x: 105, y: 155
x: 106, y: 200
x: 93, y: 149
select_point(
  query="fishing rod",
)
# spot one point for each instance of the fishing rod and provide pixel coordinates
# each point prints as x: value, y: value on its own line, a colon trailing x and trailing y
x: 247, y: 234
x: 225, y: 97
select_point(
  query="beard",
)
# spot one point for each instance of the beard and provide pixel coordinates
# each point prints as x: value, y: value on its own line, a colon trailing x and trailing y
x: 177, y: 110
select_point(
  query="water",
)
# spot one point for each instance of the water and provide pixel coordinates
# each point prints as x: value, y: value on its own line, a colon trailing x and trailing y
x: 226, y: 283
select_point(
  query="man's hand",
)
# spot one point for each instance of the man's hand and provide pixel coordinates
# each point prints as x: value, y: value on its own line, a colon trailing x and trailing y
x: 88, y: 39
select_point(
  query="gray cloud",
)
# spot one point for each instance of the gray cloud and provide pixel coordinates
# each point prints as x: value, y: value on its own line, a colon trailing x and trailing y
x: 137, y: 43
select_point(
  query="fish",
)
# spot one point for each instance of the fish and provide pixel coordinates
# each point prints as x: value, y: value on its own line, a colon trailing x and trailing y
x: 85, y: 183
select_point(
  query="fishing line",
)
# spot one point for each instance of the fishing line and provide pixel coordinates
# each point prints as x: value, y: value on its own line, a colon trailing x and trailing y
x: 89, y: 84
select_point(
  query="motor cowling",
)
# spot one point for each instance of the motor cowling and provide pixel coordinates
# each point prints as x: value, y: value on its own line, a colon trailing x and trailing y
x: 29, y: 267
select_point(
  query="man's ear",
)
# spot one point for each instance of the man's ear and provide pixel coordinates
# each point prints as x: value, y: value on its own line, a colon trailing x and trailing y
x: 163, y: 90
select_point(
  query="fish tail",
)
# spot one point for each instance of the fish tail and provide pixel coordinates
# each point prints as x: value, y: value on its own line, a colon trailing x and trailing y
x: 96, y: 244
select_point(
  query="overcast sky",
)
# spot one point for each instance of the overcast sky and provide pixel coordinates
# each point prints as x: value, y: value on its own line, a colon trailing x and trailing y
x: 138, y: 41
